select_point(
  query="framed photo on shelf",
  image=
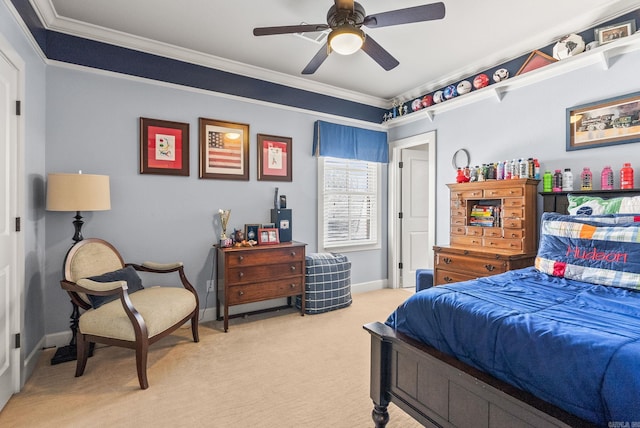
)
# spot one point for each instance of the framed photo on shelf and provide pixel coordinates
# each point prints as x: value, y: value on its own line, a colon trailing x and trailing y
x: 274, y: 158
x: 604, y: 123
x: 268, y: 236
x: 535, y: 60
x: 164, y: 147
x: 268, y: 225
x: 251, y: 232
x: 614, y: 32
x: 224, y: 150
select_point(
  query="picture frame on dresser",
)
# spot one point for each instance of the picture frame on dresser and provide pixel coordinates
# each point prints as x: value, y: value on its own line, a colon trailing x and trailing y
x: 268, y: 236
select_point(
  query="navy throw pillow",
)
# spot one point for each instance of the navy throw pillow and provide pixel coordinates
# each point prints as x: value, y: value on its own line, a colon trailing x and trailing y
x: 129, y: 274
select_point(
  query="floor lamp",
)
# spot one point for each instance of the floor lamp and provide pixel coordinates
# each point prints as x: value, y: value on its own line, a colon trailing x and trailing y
x: 76, y: 192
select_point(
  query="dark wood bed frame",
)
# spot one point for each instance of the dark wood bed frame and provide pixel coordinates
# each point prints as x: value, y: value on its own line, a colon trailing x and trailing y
x: 439, y: 390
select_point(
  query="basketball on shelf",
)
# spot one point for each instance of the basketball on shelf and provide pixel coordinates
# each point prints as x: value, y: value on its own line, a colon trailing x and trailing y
x: 481, y: 81
x: 568, y: 46
x: 438, y: 97
x: 500, y: 75
x: 450, y: 92
x: 464, y: 87
x: 416, y: 104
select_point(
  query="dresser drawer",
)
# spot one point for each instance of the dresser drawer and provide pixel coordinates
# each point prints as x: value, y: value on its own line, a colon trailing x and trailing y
x: 474, y: 231
x: 492, y: 232
x: 512, y: 223
x: 466, y: 241
x: 513, y: 233
x: 513, y: 212
x: 467, y: 194
x: 257, y: 257
x: 242, y: 274
x: 502, y: 193
x: 503, y: 244
x: 469, y: 265
x: 512, y: 202
x: 448, y: 277
x: 256, y: 292
x: 458, y: 230
x: 458, y: 221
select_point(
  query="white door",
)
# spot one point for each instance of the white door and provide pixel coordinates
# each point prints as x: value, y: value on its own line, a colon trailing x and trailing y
x: 415, y: 214
x: 9, y: 304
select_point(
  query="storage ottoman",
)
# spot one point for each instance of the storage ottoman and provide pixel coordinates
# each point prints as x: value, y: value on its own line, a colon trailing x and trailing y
x: 327, y: 282
x: 424, y: 279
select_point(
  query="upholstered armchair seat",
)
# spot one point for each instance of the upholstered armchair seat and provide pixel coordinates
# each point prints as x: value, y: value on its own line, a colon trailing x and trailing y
x: 118, y: 309
x: 111, y: 320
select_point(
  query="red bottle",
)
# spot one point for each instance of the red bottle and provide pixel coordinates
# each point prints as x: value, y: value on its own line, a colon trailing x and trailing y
x: 626, y: 176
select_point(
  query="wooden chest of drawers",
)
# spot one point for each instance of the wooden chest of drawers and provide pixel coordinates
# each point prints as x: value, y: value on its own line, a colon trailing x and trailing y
x: 254, y: 274
x: 454, y: 264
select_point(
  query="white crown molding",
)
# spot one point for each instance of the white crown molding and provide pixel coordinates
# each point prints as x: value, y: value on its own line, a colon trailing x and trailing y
x: 52, y: 21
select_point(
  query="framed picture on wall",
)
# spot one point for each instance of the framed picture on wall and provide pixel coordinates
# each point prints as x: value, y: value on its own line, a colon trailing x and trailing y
x: 224, y: 150
x: 164, y: 147
x: 604, y: 123
x: 274, y: 158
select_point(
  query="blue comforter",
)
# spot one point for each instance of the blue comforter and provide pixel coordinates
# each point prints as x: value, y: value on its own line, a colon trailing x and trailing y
x: 573, y: 344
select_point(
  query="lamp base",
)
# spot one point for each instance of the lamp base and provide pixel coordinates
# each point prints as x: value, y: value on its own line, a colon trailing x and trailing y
x: 67, y: 353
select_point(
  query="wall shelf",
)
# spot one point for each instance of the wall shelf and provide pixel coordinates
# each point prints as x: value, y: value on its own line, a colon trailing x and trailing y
x: 604, y: 54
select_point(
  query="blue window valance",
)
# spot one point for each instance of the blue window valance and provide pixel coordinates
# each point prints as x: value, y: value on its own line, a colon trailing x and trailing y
x: 348, y: 142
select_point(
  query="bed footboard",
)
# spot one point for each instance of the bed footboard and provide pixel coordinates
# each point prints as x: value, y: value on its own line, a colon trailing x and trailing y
x: 440, y: 391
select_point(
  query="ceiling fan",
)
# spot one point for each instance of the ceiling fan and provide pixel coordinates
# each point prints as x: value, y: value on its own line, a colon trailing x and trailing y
x: 345, y: 18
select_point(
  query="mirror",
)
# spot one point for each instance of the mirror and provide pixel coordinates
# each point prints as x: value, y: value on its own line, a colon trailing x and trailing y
x: 460, y: 159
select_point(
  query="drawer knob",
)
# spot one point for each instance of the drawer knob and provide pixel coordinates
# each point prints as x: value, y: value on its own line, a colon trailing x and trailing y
x: 292, y: 286
x: 448, y: 279
x: 240, y: 293
x: 447, y: 260
x: 240, y: 274
x: 240, y: 258
x: 293, y: 254
x: 489, y: 267
x: 293, y: 268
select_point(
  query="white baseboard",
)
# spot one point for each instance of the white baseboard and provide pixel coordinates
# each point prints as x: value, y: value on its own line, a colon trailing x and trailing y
x: 209, y: 314
x: 31, y: 361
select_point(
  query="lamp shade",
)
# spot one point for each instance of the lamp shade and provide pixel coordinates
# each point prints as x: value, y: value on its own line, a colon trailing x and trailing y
x: 78, y: 192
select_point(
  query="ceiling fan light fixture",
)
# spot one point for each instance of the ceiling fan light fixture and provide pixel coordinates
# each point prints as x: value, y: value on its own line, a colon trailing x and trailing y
x: 346, y: 39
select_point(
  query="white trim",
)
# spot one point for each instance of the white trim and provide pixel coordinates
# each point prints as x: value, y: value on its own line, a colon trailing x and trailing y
x: 395, y: 148
x: 364, y: 287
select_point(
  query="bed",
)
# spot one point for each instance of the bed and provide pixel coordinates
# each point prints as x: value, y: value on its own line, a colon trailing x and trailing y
x: 557, y: 344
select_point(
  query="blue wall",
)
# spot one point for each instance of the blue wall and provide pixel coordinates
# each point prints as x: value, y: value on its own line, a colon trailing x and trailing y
x: 529, y: 122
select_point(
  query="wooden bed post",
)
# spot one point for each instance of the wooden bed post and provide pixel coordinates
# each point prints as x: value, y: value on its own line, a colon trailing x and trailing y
x: 379, y: 379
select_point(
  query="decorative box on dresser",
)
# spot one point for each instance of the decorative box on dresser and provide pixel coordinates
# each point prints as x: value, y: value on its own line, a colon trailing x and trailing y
x: 255, y: 274
x: 507, y: 238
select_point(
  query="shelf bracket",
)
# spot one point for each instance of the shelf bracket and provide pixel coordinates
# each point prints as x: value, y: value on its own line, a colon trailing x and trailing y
x: 430, y: 114
x: 499, y: 92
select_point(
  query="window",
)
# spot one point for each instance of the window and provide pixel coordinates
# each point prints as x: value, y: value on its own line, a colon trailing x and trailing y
x: 349, y: 208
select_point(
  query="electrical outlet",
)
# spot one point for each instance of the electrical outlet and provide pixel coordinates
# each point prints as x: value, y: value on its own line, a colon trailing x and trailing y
x: 210, y: 285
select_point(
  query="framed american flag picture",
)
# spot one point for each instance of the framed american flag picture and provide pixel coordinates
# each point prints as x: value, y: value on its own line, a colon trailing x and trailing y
x: 224, y: 150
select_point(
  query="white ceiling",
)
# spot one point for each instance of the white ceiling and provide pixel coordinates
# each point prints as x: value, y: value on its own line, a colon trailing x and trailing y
x: 473, y: 36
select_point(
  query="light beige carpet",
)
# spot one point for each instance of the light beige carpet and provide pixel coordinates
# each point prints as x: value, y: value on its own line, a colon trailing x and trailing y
x: 276, y: 370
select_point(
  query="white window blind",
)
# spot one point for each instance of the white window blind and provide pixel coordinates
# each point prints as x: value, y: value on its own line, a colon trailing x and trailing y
x: 349, y: 203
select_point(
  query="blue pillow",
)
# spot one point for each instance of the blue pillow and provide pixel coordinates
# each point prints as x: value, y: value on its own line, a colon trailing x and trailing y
x: 129, y: 274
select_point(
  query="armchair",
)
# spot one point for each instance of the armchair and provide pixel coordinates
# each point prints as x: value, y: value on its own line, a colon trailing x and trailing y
x: 117, y: 309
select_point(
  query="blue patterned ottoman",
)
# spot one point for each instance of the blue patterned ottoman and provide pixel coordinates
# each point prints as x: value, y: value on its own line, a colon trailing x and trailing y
x: 327, y: 282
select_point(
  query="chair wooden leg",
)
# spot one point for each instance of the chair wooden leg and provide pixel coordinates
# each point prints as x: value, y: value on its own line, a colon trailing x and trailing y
x: 194, y: 329
x: 142, y: 350
x: 82, y: 353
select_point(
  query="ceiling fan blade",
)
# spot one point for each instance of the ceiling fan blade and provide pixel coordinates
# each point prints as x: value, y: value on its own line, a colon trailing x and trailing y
x: 317, y: 60
x: 427, y: 12
x: 344, y: 4
x: 288, y: 29
x: 379, y: 54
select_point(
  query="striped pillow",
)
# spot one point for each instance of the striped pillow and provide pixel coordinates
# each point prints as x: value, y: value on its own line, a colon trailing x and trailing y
x: 600, y: 250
